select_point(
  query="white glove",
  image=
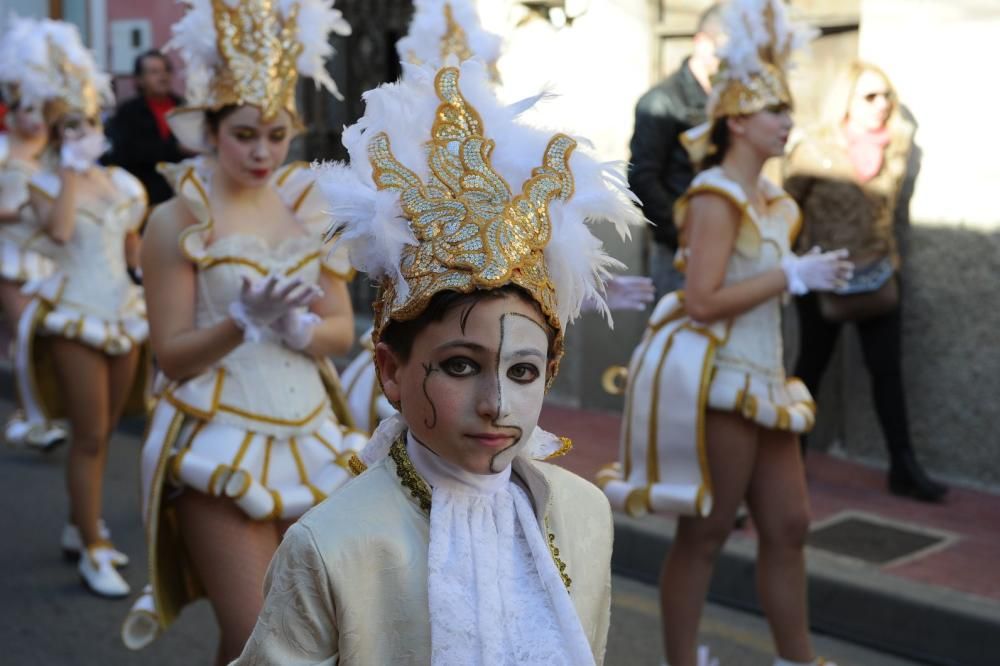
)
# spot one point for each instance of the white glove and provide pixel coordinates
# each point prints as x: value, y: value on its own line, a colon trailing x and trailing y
x: 263, y: 302
x: 295, y: 328
x: 79, y: 154
x: 817, y: 271
x: 629, y: 292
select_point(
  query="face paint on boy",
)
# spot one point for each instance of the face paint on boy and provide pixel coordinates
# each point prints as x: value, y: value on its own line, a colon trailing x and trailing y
x: 473, y: 396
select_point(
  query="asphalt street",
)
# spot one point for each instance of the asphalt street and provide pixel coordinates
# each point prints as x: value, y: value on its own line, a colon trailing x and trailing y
x: 47, y: 617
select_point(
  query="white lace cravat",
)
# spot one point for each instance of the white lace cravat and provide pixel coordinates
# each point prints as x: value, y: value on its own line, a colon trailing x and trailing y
x: 496, y: 597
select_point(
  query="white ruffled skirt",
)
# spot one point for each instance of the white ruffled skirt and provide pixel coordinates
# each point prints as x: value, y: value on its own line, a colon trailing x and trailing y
x: 673, y: 379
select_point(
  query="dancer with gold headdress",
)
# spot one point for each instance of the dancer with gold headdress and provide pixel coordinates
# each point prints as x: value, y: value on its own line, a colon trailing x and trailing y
x: 21, y: 260
x: 711, y: 419
x: 456, y: 545
x: 80, y: 338
x: 245, y: 306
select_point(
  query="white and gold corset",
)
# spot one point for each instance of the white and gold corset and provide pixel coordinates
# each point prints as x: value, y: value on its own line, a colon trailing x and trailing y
x: 259, y: 386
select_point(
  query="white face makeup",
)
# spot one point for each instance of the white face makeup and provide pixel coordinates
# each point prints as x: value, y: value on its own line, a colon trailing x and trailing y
x: 473, y: 386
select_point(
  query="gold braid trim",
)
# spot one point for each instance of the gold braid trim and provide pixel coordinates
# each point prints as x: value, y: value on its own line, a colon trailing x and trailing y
x: 554, y: 549
x: 409, y: 477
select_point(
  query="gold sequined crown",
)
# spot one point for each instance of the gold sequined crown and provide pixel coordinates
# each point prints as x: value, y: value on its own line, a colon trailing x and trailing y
x: 76, y: 87
x: 259, y: 49
x: 753, y: 63
x: 472, y: 232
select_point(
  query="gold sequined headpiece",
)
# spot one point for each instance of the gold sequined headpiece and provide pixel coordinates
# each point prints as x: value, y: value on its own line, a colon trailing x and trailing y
x: 46, y: 61
x: 428, y: 216
x: 259, y: 50
x: 753, y: 62
x: 472, y: 232
x: 79, y: 91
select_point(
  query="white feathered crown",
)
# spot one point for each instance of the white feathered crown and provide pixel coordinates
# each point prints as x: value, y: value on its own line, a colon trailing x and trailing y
x: 43, y: 60
x: 755, y: 59
x: 426, y: 203
x: 251, y: 52
x: 441, y: 29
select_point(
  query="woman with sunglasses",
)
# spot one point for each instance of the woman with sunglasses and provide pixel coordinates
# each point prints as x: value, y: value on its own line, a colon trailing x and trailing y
x: 849, y: 177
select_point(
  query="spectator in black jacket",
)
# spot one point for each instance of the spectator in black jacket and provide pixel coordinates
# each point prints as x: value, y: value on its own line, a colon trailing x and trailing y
x: 140, y: 137
x: 660, y: 170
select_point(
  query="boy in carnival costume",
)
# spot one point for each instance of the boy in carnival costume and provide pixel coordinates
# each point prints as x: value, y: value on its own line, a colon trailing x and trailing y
x: 456, y: 545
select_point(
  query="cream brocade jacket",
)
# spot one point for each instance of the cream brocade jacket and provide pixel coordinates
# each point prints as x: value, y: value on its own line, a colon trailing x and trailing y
x: 348, y: 585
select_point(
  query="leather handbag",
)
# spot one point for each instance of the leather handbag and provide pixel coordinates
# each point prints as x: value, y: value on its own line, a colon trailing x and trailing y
x: 871, y: 292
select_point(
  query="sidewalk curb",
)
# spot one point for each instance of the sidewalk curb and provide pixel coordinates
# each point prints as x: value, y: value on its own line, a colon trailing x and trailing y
x: 847, y: 599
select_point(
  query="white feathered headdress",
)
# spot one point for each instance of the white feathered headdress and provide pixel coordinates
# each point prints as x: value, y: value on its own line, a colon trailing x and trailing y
x: 446, y: 190
x: 250, y: 52
x: 440, y: 29
x: 753, y: 65
x: 43, y: 60
x: 755, y: 59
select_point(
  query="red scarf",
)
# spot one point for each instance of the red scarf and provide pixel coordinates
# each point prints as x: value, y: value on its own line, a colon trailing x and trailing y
x: 866, y: 150
x: 160, y: 106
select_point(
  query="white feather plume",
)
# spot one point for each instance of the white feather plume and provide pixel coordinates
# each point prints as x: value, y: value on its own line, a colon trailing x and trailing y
x: 26, y: 59
x: 316, y: 20
x: 376, y: 232
x: 422, y: 43
x: 752, y: 40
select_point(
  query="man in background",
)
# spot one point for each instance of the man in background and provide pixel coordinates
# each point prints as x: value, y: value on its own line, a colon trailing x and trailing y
x: 139, y: 134
x: 660, y: 170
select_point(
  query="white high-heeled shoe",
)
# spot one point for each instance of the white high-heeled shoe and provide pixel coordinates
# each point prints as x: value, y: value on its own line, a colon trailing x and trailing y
x: 42, y: 436
x: 99, y: 573
x: 72, y: 543
x: 704, y: 658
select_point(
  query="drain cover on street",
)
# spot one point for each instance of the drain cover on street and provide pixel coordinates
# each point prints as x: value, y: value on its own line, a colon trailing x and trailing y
x: 869, y: 540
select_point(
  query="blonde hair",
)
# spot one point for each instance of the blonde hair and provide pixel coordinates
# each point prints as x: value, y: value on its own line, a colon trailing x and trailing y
x: 837, y: 103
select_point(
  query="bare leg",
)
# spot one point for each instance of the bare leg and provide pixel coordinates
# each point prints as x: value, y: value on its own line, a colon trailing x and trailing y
x: 779, y: 504
x: 84, y: 380
x: 12, y: 302
x: 121, y: 377
x: 731, y: 441
x: 231, y: 554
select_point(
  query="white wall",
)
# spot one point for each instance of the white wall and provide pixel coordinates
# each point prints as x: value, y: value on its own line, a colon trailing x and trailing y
x: 942, y: 55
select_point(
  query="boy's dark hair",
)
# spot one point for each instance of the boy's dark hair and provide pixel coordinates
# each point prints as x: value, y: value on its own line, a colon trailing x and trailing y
x: 399, y: 335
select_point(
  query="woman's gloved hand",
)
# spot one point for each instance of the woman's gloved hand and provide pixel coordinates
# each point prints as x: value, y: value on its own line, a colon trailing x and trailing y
x: 80, y: 151
x: 817, y: 271
x: 629, y: 292
x: 263, y: 302
x: 295, y: 328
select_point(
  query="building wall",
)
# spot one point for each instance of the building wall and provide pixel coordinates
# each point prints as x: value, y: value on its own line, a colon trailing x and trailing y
x: 161, y: 15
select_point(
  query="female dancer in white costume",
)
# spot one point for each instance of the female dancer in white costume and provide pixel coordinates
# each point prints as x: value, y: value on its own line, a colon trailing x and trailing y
x: 80, y: 337
x: 711, y: 419
x: 20, y: 259
x: 245, y: 305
